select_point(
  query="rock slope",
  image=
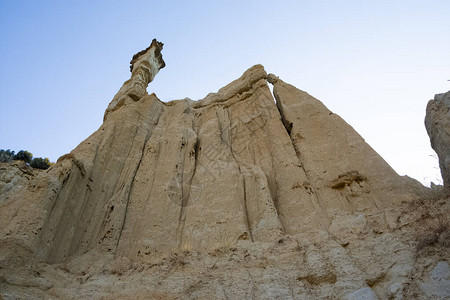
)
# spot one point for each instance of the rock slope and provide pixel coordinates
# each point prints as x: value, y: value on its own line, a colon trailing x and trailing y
x: 241, y: 194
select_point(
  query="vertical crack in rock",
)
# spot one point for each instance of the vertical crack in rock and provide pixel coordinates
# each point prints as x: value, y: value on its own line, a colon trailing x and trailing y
x: 74, y: 244
x: 147, y: 138
x: 288, y: 126
x: 185, y: 195
x: 66, y: 178
x: 180, y: 180
x: 246, y: 216
x: 247, y: 221
x: 221, y: 129
x: 276, y: 203
x: 308, y: 176
x: 106, y: 230
x: 274, y: 195
x: 129, y: 194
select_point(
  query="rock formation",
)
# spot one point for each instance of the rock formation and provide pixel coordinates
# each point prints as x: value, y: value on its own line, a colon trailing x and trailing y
x: 143, y: 67
x: 14, y: 176
x: 437, y: 122
x: 281, y: 192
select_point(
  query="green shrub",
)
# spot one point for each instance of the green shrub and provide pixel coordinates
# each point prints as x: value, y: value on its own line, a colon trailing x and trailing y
x: 6, y: 155
x: 23, y: 155
x: 40, y: 163
x: 37, y: 163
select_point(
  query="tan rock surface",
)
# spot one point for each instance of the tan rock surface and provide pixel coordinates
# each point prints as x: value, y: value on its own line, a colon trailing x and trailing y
x: 14, y: 176
x: 143, y: 67
x: 437, y: 122
x: 231, y: 196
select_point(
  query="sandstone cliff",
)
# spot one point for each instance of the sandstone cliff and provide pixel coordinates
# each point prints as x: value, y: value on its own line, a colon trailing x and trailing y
x: 437, y: 122
x: 279, y: 191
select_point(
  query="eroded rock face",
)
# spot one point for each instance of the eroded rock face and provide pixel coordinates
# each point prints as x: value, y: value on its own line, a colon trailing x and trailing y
x: 344, y: 172
x: 282, y: 192
x: 143, y: 67
x: 14, y: 176
x: 235, y: 165
x: 437, y: 123
x: 157, y: 176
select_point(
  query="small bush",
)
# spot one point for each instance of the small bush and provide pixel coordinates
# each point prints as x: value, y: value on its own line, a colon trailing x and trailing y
x: 223, y: 246
x: 6, y: 155
x: 23, y: 155
x: 40, y: 163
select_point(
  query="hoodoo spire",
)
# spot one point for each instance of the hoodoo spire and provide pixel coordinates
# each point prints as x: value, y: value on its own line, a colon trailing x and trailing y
x: 143, y: 66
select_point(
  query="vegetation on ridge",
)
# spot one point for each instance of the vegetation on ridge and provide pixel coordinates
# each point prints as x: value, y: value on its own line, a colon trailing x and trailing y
x: 27, y: 157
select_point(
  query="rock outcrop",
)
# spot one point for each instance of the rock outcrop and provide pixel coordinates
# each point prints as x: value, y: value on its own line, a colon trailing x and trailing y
x: 14, y: 176
x: 437, y: 122
x: 281, y: 192
x: 143, y: 67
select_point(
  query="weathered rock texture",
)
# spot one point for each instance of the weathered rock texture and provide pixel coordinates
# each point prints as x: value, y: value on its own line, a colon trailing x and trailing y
x: 14, y: 176
x: 232, y: 196
x: 437, y: 122
x: 143, y: 67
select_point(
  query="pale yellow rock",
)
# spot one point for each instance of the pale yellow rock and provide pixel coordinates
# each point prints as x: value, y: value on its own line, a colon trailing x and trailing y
x: 157, y: 177
x: 14, y: 176
x: 345, y: 173
x: 144, y: 67
x: 237, y: 195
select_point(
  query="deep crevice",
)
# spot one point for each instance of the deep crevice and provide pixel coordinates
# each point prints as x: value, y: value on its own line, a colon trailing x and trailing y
x: 274, y: 191
x: 288, y: 125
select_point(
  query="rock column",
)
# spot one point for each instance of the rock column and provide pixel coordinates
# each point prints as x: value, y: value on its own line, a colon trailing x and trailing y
x: 144, y: 66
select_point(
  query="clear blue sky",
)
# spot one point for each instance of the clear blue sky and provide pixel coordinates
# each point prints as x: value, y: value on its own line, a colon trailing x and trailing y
x: 375, y: 63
